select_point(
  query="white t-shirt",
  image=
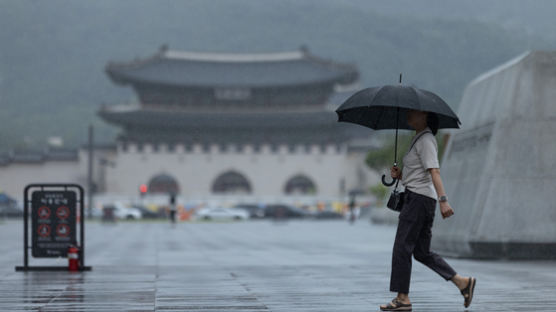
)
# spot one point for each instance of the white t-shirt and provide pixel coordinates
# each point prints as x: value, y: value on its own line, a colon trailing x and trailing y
x: 420, y: 158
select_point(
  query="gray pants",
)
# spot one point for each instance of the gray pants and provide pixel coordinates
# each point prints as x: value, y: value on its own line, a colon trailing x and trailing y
x: 413, y: 237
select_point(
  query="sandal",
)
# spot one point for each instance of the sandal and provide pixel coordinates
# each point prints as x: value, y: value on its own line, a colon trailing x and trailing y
x: 467, y: 292
x: 396, y: 305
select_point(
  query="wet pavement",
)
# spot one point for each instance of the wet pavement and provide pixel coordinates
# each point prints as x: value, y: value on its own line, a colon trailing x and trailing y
x: 254, y: 266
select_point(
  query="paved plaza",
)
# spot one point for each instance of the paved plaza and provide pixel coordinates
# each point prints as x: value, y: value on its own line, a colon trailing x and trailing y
x: 254, y: 266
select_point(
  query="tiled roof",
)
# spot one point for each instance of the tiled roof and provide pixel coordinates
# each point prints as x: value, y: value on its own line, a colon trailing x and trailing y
x: 232, y: 70
x: 33, y: 156
x: 286, y: 127
x: 166, y: 119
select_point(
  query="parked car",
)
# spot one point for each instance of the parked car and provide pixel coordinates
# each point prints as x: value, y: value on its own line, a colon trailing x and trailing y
x: 120, y: 211
x: 96, y: 212
x: 146, y: 213
x: 328, y: 215
x: 284, y: 211
x: 10, y: 211
x: 255, y: 211
x: 219, y: 213
x: 9, y: 207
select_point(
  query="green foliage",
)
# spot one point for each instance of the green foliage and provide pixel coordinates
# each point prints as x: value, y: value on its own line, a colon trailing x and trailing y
x: 441, y: 139
x: 379, y: 191
x: 384, y: 157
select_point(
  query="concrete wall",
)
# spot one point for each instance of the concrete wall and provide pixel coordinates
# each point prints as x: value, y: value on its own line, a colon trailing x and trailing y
x: 14, y: 177
x: 499, y: 170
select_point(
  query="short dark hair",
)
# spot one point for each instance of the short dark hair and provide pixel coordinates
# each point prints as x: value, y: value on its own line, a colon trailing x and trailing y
x: 432, y: 122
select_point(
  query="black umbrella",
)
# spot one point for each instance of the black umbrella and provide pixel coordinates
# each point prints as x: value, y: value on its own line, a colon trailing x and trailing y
x: 386, y: 107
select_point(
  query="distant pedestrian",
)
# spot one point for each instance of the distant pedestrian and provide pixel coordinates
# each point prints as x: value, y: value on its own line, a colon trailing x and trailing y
x: 173, y: 208
x: 423, y: 185
x: 352, y: 213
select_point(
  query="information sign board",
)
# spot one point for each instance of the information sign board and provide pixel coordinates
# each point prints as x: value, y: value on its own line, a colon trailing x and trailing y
x: 53, y: 229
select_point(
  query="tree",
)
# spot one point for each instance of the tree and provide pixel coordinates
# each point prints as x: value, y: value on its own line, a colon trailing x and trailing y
x: 384, y: 157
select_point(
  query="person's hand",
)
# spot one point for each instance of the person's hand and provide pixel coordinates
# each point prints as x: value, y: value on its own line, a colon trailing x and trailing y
x: 446, y: 210
x: 395, y: 172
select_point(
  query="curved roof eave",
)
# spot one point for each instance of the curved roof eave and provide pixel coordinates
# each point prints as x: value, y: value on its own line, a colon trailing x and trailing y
x: 220, y: 120
x: 124, y: 80
x: 304, y: 69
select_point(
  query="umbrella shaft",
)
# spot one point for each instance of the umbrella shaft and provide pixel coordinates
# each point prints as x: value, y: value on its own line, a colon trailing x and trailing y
x: 396, y: 141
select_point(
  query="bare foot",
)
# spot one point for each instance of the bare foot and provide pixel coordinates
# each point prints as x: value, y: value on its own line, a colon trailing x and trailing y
x: 461, y: 282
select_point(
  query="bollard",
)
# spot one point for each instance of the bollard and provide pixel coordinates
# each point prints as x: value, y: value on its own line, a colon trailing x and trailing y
x: 73, y: 259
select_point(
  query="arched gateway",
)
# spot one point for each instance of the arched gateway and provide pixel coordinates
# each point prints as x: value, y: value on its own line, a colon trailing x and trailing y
x: 231, y: 182
x: 300, y: 184
x: 163, y: 183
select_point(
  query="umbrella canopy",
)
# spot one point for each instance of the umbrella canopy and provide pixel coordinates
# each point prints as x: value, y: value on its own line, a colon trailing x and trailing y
x: 386, y: 107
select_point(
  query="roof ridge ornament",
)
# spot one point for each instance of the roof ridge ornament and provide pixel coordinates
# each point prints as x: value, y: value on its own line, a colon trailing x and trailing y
x: 233, y: 57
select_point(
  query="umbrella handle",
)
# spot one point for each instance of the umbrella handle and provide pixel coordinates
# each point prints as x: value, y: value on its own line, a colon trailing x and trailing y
x: 387, y: 183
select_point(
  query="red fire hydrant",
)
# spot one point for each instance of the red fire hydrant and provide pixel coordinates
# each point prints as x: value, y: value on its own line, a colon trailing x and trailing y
x: 73, y: 258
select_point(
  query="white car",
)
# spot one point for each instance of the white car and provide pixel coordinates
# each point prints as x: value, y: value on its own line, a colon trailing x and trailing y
x: 123, y: 212
x: 218, y: 213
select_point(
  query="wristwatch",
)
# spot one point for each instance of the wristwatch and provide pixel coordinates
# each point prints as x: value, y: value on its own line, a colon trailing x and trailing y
x: 443, y: 198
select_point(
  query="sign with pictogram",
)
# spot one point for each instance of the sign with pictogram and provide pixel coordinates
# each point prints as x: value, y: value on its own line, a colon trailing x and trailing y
x: 44, y: 212
x: 54, y: 209
x: 62, y: 212
x: 62, y: 230
x: 53, y: 215
x: 43, y: 230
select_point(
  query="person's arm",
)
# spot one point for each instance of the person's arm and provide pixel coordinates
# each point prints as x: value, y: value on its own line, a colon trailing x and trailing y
x: 445, y: 208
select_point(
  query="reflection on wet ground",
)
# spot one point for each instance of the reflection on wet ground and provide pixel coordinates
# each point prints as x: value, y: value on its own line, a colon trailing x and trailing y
x: 254, y: 266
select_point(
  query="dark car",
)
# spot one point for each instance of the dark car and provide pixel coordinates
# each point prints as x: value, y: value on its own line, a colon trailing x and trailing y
x: 255, y: 211
x: 9, y: 207
x: 279, y: 211
x: 328, y: 215
x: 146, y: 213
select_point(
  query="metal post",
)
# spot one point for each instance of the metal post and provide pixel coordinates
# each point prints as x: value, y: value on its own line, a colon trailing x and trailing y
x: 82, y: 229
x: 396, y: 140
x: 25, y: 229
x: 90, y: 175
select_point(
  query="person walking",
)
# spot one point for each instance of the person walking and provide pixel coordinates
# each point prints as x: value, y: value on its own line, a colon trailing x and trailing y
x: 173, y: 209
x: 352, y: 204
x: 423, y: 186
